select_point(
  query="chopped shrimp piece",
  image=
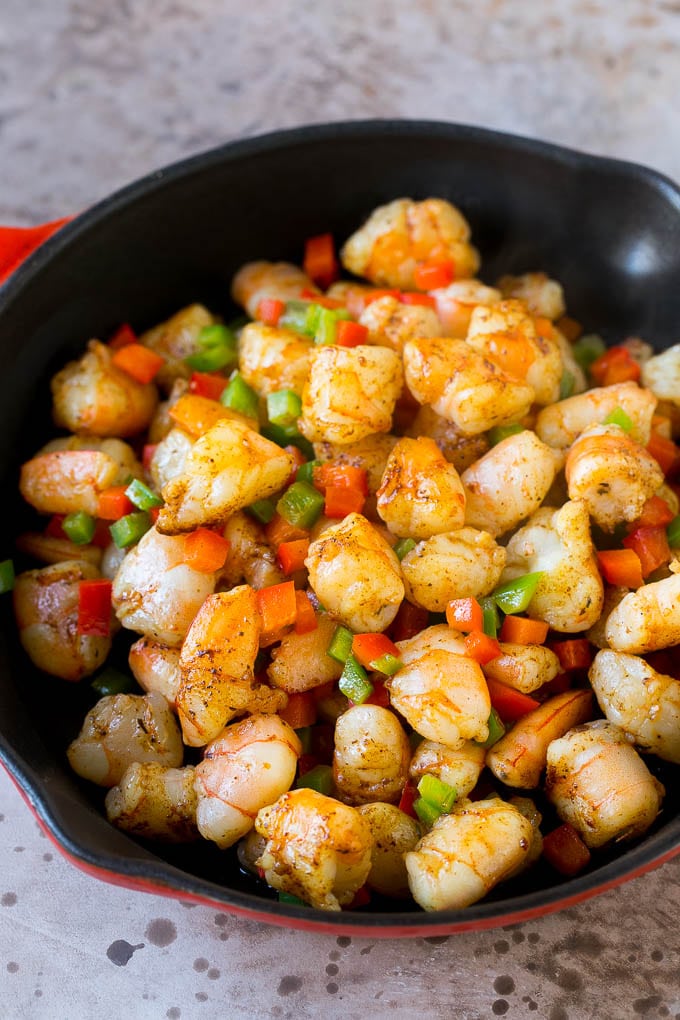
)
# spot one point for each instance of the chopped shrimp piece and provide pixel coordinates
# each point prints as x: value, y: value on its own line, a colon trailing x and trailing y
x: 562, y: 423
x: 523, y: 667
x: 154, y: 802
x: 388, y: 247
x: 463, y: 386
x: 421, y: 494
x: 258, y: 280
x: 251, y: 559
x: 175, y: 339
x: 300, y: 663
x: 542, y: 295
x: 390, y: 322
x: 647, y: 619
x: 317, y: 848
x: 459, y: 767
x: 457, y: 564
x: 169, y: 457
x: 155, y: 667
x: 40, y: 546
x: 456, y: 303
x: 155, y: 592
x: 438, y: 637
x: 661, y: 374
x: 459, y: 450
x: 273, y: 359
x: 612, y: 596
x: 371, y: 757
x: 394, y: 834
x: 245, y: 768
x: 162, y: 423
x: 217, y: 666
x: 228, y: 467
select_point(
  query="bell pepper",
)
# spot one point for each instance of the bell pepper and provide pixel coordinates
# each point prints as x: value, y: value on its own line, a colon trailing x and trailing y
x: 300, y: 710
x: 94, y: 607
x: 319, y: 261
x: 270, y: 310
x: 205, y: 550
x: 465, y: 615
x: 651, y: 546
x: 138, y: 361
x: 482, y: 648
x: 277, y: 607
x: 564, y: 849
x: 433, y: 274
x: 509, y: 703
x: 207, y: 384
x: 520, y: 630
x: 354, y: 682
x: 291, y: 555
x: 620, y: 567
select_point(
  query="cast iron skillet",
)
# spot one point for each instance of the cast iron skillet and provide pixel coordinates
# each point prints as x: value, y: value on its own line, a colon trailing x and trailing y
x: 609, y: 231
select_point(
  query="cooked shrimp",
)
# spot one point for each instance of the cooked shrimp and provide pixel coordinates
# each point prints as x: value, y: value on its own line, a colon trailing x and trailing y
x: 647, y: 619
x: 509, y: 482
x: 542, y: 295
x: 299, y: 661
x: 317, y: 848
x: 463, y: 386
x: 443, y: 696
x: 523, y: 667
x: 558, y: 543
x: 456, y: 303
x: 356, y: 575
x: 46, y: 612
x: 176, y: 339
x: 388, y: 247
x: 350, y: 393
x: 94, y: 396
x: 390, y: 323
x: 251, y: 559
x: 48, y: 549
x: 155, y: 592
x: 370, y: 453
x: 70, y: 474
x: 661, y: 374
x: 394, y: 834
x: 257, y: 280
x: 228, y: 468
x: 122, y: 729
x: 155, y: 667
x: 420, y: 494
x: 597, y: 633
x: 458, y: 564
x: 612, y: 474
x: 467, y: 853
x: 519, y: 757
x: 169, y: 457
x: 599, y: 784
x: 217, y: 667
x: 248, y: 766
x: 458, y: 449
x: 154, y: 802
x: 562, y: 423
x: 438, y: 637
x: 644, y: 703
x: 371, y: 757
x: 458, y: 767
x: 162, y: 423
x: 112, y: 557
x: 273, y: 359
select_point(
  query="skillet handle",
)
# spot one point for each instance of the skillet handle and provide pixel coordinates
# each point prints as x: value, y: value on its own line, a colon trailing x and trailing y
x: 17, y: 243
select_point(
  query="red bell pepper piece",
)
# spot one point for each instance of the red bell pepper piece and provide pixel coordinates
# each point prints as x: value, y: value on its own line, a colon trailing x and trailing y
x: 408, y: 622
x: 123, y: 336
x: 575, y: 653
x: 465, y: 614
x: 565, y: 850
x: 664, y: 451
x: 651, y: 545
x: 335, y: 473
x: 207, y: 384
x: 509, y: 703
x: 291, y: 555
x: 621, y: 567
x: 319, y: 261
x: 409, y: 795
x: 656, y: 513
x: 414, y: 297
x: 300, y: 710
x: 369, y: 647
x: 138, y: 361
x: 277, y: 607
x: 481, y: 647
x: 614, y: 366
x: 350, y: 334
x: 270, y: 310
x: 306, y: 620
x: 94, y: 607
x: 341, y: 501
x: 434, y: 273
x: 205, y: 550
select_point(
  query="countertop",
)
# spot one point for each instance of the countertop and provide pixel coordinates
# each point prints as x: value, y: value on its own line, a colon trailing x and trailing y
x: 94, y: 93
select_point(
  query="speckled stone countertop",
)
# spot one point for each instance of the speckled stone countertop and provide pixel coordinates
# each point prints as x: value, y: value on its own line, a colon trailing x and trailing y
x: 94, y: 93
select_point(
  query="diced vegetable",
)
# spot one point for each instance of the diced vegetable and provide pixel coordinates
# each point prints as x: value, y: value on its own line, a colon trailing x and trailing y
x: 205, y: 550
x: 114, y: 503
x: 291, y: 555
x: 409, y: 297
x: 7, y: 576
x: 238, y: 396
x: 295, y: 901
x: 465, y: 615
x: 615, y: 365
x: 673, y: 532
x: 588, y: 349
x: 138, y: 361
x: 380, y: 696
x: 404, y: 546
x: 651, y: 546
x: 619, y: 417
x: 94, y: 607
x: 509, y: 703
x: 319, y: 261
x: 79, y: 527
x: 339, y: 475
x: 350, y: 334
x: 498, y: 433
x: 574, y: 653
x: 520, y: 630
x: 284, y: 407
x: 305, y: 621
x: 305, y: 473
x: 319, y: 778
x: 340, y: 647
x: 408, y: 622
x: 287, y: 435
x: 496, y: 729
x: 388, y: 664
x: 354, y: 682
x: 327, y: 325
x: 301, y: 316
x: 515, y: 596
x: 434, y: 273
x: 435, y: 792
x: 665, y: 451
x: 655, y: 512
x: 207, y: 384
x: 567, y: 383
x: 142, y: 496
x: 129, y: 529
x: 340, y: 501
x: 482, y: 648
x: 277, y: 607
x: 301, y: 505
x: 370, y: 648
x: 270, y: 310
x: 123, y: 336
x: 262, y: 510
x: 426, y: 812
x: 280, y: 530
x: 300, y: 711
x: 217, y: 349
x: 620, y: 567
x: 112, y: 681
x: 490, y: 616
x: 564, y: 849
x: 409, y: 795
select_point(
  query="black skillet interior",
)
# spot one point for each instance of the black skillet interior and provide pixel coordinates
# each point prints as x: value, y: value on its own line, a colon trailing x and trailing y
x: 609, y: 231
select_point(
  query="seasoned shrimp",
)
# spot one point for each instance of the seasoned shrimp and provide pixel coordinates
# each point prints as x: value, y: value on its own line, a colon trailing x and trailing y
x: 155, y: 667
x: 456, y: 303
x: 371, y: 757
x: 70, y: 474
x: 612, y: 474
x: 388, y: 247
x: 217, y: 667
x: 390, y: 323
x: 94, y: 396
x: 155, y: 592
x: 467, y: 853
x: 463, y: 386
x: 509, y: 482
x: 317, y: 848
x: 461, y: 563
x: 228, y: 468
x: 251, y: 559
x: 562, y: 423
x: 122, y: 729
x: 154, y: 802
x: 647, y: 619
x: 644, y: 703
x: 350, y: 393
x: 370, y: 453
x: 273, y: 359
x: 542, y: 295
x: 570, y: 593
x: 420, y: 494
x: 596, y: 634
x: 162, y: 423
x: 169, y: 457
x: 48, y: 549
x: 458, y: 449
x: 355, y: 574
x: 248, y: 766
x: 519, y: 757
x: 599, y: 784
x: 661, y: 374
x: 394, y: 834
x: 176, y: 339
x: 258, y: 280
x: 459, y: 767
x: 46, y: 612
x: 523, y: 667
x: 300, y: 661
x: 438, y: 637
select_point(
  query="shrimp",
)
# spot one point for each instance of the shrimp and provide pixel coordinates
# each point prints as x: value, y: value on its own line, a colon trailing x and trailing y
x: 122, y: 729
x: 68, y: 475
x: 317, y: 848
x: 227, y: 468
x: 48, y: 549
x: 558, y: 544
x: 458, y: 449
x: 519, y: 757
x: 371, y: 757
x: 251, y: 559
x: 94, y: 396
x: 370, y: 453
x: 420, y: 494
x: 456, y: 303
x: 596, y: 634
x: 463, y: 386
x: 438, y: 637
x: 562, y: 423
x: 162, y: 423
x: 644, y: 703
x: 217, y: 666
x: 388, y: 247
x: 351, y: 392
x: 506, y: 334
x: 458, y: 767
x: 661, y: 374
x: 612, y: 474
x: 467, y: 853
x: 509, y: 482
x: 155, y: 667
x: 443, y: 696
x: 155, y: 592
x: 541, y: 295
x: 599, y: 784
x: 394, y: 834
x: 300, y: 662
x: 154, y: 802
x: 175, y: 339
x: 457, y: 564
x: 273, y: 359
x: 169, y: 458
x: 647, y: 619
x: 245, y: 768
x: 355, y: 574
x: 46, y: 612
x: 257, y: 280
x: 523, y: 667
x: 390, y: 323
